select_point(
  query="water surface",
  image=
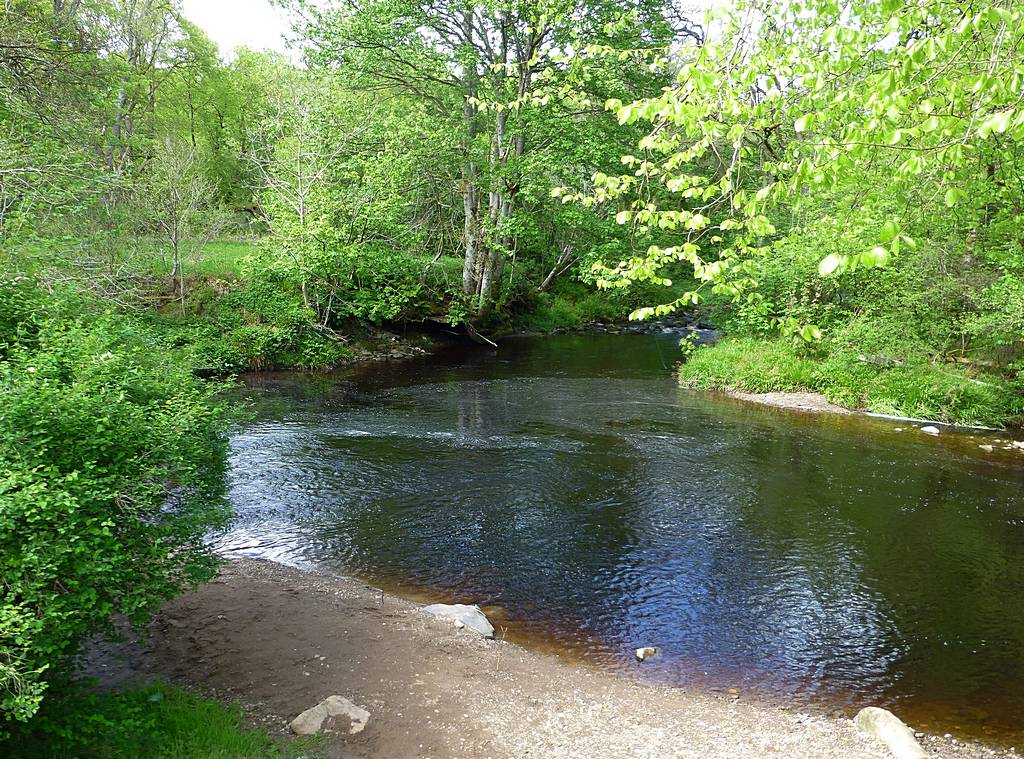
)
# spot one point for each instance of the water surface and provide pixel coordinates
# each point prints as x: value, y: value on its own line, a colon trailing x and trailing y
x: 569, y: 482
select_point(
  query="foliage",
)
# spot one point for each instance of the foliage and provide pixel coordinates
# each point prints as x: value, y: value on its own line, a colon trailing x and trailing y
x: 912, y: 386
x: 794, y: 101
x: 256, y: 325
x: 557, y: 311
x: 157, y: 721
x: 749, y: 364
x: 112, y: 467
x: 177, y: 201
x: 496, y: 76
x: 824, y: 166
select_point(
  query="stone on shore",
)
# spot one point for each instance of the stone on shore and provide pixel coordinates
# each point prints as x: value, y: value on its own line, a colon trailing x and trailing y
x: 886, y: 727
x: 930, y: 430
x: 311, y: 721
x: 647, y: 652
x: 463, y: 615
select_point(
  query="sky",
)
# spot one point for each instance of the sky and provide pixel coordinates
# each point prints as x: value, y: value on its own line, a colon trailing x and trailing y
x: 236, y: 23
x: 258, y: 25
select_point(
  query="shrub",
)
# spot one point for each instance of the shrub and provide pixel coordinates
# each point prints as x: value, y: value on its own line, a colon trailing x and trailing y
x: 111, y: 473
x: 259, y: 324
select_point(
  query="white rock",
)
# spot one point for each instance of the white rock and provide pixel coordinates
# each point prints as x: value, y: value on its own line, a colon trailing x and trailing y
x: 887, y: 727
x: 930, y: 430
x: 1017, y: 444
x: 463, y: 615
x: 647, y: 652
x: 311, y: 721
x: 987, y: 448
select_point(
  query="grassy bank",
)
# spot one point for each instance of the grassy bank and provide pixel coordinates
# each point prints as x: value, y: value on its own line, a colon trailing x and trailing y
x: 908, y: 386
x: 157, y: 721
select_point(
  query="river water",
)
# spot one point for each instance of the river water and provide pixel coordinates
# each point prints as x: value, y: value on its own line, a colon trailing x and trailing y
x: 571, y: 487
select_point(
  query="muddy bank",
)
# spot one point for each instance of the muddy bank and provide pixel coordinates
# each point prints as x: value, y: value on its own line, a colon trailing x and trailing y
x: 279, y: 640
x: 798, y: 401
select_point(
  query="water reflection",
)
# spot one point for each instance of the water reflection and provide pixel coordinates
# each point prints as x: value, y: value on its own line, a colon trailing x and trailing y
x: 569, y: 481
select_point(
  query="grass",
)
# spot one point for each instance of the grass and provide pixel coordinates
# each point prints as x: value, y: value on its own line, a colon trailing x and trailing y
x: 155, y: 721
x: 749, y: 364
x: 916, y: 386
x: 222, y: 258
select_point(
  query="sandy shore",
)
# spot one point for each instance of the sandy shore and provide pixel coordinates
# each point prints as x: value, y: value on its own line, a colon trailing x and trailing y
x: 279, y: 640
x: 799, y: 401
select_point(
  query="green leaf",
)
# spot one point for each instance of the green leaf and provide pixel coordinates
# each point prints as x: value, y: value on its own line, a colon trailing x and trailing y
x: 997, y: 122
x: 829, y: 264
x: 810, y: 333
x: 877, y: 257
x: 889, y: 231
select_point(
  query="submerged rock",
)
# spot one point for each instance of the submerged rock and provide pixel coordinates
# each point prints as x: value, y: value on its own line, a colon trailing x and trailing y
x: 648, y: 652
x: 930, y: 430
x: 885, y: 726
x: 311, y: 721
x: 463, y: 615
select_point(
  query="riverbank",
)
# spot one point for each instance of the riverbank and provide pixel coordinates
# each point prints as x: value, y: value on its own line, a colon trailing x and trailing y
x: 815, y: 402
x: 845, y: 377
x: 278, y: 640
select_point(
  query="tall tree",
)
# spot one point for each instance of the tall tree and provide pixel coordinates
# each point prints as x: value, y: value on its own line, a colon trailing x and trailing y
x: 492, y: 63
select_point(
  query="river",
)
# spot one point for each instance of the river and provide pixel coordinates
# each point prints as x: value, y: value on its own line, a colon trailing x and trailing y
x: 569, y: 485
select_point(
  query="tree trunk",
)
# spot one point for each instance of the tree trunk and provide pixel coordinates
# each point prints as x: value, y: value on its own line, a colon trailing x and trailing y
x: 470, y: 205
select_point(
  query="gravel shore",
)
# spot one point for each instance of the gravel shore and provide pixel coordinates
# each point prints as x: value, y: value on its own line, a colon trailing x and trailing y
x: 279, y: 640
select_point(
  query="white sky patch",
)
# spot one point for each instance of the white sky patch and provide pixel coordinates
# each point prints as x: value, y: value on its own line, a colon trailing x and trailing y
x: 258, y: 25
x: 253, y: 24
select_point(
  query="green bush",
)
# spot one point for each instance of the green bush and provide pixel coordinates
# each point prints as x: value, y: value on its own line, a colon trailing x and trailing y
x: 882, y: 365
x: 369, y: 283
x: 572, y: 303
x: 259, y: 324
x: 552, y: 312
x: 111, y: 473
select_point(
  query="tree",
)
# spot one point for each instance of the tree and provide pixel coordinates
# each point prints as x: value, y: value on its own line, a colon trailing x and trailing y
x: 493, y: 64
x: 180, y: 201
x: 294, y: 150
x: 795, y: 100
